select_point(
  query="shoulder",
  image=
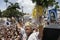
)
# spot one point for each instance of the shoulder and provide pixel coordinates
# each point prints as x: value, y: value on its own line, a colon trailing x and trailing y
x: 33, y: 36
x: 22, y: 31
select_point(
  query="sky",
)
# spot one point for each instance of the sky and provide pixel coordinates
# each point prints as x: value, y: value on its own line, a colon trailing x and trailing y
x: 27, y: 5
x: 3, y: 4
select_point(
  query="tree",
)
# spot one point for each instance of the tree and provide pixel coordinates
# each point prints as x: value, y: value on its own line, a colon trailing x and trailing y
x: 0, y: 13
x: 13, y: 6
x: 12, y: 10
x: 45, y: 3
x: 12, y: 13
x: 6, y: 1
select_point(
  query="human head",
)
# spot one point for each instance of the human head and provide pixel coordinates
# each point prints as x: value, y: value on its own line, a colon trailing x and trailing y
x: 28, y: 28
x: 20, y: 22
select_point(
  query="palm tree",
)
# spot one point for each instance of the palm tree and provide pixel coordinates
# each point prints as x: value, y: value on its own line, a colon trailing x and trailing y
x: 0, y: 13
x: 6, y: 1
x: 12, y: 11
x: 13, y: 6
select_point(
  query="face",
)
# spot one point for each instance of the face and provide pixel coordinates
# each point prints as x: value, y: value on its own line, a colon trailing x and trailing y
x: 21, y: 23
x: 28, y: 30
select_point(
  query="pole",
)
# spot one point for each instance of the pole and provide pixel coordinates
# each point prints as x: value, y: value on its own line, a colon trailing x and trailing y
x: 22, y: 6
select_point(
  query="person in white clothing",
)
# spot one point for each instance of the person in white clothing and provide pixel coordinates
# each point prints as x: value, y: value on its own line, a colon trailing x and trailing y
x: 28, y: 31
x: 20, y: 25
x: 34, y: 36
x: 37, y: 35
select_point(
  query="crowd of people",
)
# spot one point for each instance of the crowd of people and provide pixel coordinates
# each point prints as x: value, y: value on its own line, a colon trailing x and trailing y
x: 20, y: 31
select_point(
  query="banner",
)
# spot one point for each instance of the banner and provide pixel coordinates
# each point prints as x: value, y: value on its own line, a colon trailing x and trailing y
x: 52, y: 15
x: 37, y: 12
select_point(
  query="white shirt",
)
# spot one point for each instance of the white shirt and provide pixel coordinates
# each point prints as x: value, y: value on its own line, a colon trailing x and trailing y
x: 22, y: 30
x: 33, y: 36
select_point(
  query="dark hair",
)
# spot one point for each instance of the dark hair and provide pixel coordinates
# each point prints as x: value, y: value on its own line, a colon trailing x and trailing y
x: 48, y: 23
x: 20, y: 20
